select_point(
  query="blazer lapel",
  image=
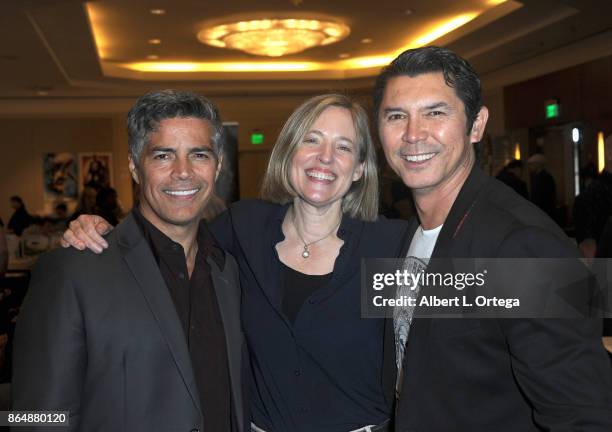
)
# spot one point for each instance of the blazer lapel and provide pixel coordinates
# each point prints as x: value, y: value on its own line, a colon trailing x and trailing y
x: 228, y: 298
x: 141, y: 262
x: 459, y: 213
x: 412, y: 227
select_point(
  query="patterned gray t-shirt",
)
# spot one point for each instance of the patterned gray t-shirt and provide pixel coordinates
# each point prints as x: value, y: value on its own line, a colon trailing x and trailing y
x: 420, y: 251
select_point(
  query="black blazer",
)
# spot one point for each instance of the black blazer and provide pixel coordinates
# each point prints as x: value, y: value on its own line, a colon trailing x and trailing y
x: 99, y: 336
x: 503, y: 374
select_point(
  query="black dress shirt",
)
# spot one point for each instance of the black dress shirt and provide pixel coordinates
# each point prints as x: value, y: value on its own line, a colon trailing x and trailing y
x: 198, y: 311
x: 323, y: 372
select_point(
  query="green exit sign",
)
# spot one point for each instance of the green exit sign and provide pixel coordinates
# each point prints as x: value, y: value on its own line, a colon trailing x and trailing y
x: 552, y: 109
x: 257, y: 138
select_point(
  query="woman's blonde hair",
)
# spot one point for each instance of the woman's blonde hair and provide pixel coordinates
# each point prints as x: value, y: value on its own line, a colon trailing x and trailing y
x: 361, y: 201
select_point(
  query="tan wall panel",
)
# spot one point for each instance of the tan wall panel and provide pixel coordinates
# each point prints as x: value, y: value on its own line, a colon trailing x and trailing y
x: 252, y: 166
x: 24, y: 141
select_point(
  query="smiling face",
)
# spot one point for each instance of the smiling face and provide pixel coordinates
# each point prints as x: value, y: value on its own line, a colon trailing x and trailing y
x: 325, y: 163
x: 176, y: 173
x: 422, y: 125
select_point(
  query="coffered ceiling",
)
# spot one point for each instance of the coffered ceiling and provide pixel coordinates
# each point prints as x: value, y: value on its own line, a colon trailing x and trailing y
x: 107, y: 48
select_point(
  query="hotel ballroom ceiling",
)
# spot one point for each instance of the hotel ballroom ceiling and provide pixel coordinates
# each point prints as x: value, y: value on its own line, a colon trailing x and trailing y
x: 74, y: 49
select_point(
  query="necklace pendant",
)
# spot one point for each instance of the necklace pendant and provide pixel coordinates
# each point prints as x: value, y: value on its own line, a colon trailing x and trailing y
x: 305, y: 254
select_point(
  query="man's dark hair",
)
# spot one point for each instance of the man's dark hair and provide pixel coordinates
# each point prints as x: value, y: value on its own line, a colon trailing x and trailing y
x: 457, y: 73
x: 514, y: 163
x: 152, y: 108
x: 17, y: 199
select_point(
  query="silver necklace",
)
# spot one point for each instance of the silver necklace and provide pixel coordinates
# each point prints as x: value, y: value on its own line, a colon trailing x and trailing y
x: 306, y: 252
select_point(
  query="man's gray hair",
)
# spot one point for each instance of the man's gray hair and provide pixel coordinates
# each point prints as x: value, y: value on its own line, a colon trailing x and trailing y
x: 152, y: 108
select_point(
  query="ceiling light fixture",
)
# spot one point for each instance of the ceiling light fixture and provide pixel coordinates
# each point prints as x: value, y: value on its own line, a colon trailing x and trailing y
x: 154, y: 41
x: 274, y: 37
x: 368, y: 62
x: 222, y: 67
x: 366, y: 40
x: 443, y: 28
x: 157, y: 11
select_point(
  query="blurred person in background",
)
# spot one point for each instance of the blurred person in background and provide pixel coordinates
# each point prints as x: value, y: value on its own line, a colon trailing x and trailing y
x: 4, y: 254
x: 543, y: 188
x: 593, y: 208
x: 512, y: 175
x: 20, y: 219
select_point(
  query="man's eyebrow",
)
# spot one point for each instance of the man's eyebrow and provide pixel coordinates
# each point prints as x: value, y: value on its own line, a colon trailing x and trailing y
x: 173, y: 150
x: 201, y: 149
x: 392, y: 109
x: 162, y: 149
x: 436, y: 105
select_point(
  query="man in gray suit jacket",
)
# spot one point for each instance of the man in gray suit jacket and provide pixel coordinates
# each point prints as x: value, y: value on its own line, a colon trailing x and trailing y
x: 145, y: 337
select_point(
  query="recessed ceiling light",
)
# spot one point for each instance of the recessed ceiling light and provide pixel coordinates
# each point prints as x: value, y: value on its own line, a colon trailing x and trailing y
x: 154, y: 41
x: 157, y: 11
x: 408, y: 11
x: 152, y: 57
x: 344, y: 55
x: 42, y: 92
x: 366, y: 40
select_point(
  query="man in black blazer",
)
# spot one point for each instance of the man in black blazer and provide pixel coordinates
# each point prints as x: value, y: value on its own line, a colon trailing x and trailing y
x: 145, y: 337
x: 469, y: 374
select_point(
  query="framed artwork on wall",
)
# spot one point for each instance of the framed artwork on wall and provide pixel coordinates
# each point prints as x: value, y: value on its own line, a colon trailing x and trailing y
x: 60, y: 176
x: 95, y: 170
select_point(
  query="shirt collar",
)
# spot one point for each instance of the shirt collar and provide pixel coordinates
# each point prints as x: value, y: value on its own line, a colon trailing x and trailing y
x: 210, y: 245
x: 158, y: 241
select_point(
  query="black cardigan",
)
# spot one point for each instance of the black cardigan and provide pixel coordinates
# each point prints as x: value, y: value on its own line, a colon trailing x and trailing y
x: 324, y: 373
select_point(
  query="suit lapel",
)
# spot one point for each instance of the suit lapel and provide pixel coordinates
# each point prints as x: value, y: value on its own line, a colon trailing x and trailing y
x: 412, y: 227
x: 141, y: 262
x: 228, y: 298
x: 459, y: 213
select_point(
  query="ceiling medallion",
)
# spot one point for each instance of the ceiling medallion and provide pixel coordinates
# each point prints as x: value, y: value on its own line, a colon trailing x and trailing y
x: 274, y: 37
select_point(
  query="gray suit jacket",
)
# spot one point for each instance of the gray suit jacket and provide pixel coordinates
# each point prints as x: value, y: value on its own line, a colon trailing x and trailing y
x: 99, y: 336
